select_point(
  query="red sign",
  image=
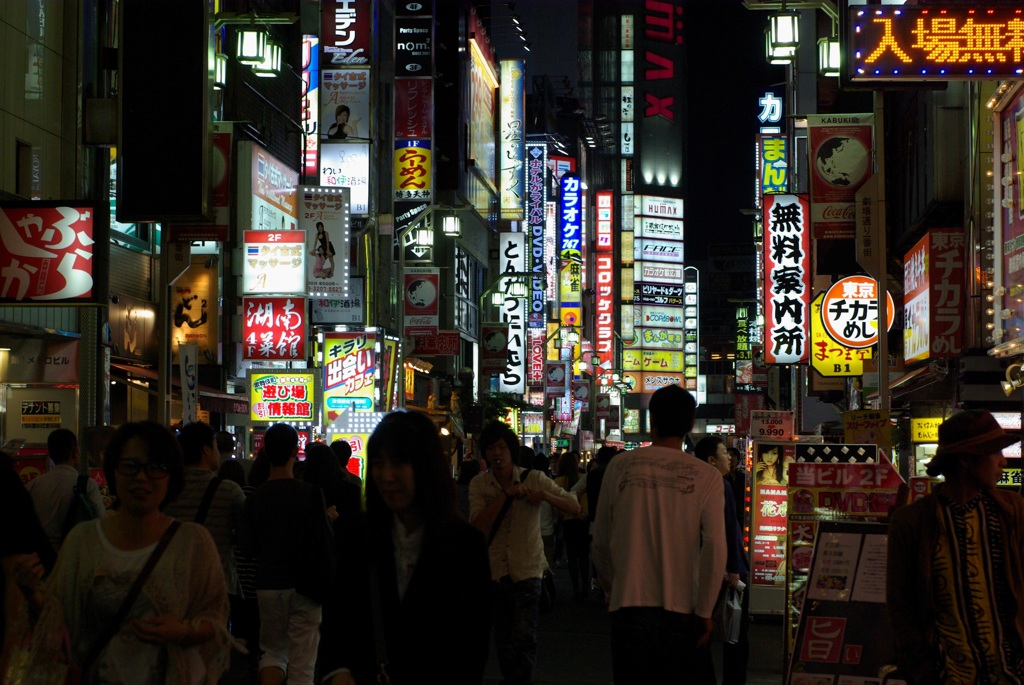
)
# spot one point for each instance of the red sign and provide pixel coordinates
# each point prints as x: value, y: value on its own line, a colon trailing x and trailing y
x: 274, y: 328
x: 535, y: 350
x: 346, y: 32
x: 743, y: 404
x: 421, y: 288
x: 494, y: 347
x: 850, y: 311
x: 933, y: 296
x: 413, y: 107
x: 604, y: 328
x: 45, y: 253
x: 840, y: 151
x: 445, y: 343
x: 787, y: 279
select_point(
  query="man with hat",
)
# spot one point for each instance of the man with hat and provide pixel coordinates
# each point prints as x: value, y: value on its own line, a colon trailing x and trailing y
x: 955, y: 583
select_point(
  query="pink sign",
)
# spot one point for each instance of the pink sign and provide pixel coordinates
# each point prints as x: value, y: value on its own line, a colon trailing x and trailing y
x: 414, y: 100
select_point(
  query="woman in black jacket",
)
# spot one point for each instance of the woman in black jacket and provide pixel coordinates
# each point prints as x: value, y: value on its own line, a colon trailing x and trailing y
x: 428, y: 568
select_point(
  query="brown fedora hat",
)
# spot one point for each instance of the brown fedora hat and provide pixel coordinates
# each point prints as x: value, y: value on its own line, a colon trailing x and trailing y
x: 971, y: 433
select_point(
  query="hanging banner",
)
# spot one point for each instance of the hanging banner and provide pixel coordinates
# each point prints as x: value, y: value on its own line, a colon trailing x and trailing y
x: 413, y: 163
x: 346, y: 29
x: 195, y: 317
x: 840, y: 149
x: 188, y: 367
x: 274, y: 328
x: 347, y: 165
x: 768, y: 529
x: 45, y: 252
x: 349, y: 370
x: 422, y: 288
x: 787, y: 278
x: 934, y: 292
x: 324, y: 216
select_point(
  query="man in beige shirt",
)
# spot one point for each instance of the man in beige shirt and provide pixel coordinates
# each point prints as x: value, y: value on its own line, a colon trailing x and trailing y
x: 505, y: 504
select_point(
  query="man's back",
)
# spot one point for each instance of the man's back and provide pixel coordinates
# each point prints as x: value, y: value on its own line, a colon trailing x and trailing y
x: 222, y: 518
x: 52, y: 494
x: 657, y: 505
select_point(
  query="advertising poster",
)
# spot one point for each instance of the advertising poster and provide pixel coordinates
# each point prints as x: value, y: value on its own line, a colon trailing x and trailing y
x: 266, y: 194
x: 281, y: 396
x: 414, y: 106
x: 421, y: 286
x: 821, y: 492
x: 275, y: 262
x: 840, y: 149
x: 274, y: 328
x: 347, y: 165
x: 413, y: 164
x: 45, y: 253
x: 195, y: 317
x: 840, y: 638
x: 349, y: 368
x: 344, y: 104
x: 324, y: 216
x: 768, y: 513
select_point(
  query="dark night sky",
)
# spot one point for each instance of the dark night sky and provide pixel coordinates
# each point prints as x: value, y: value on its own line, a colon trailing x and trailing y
x: 727, y: 72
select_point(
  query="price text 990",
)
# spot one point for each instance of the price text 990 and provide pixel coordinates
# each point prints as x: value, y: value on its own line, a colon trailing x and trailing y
x: 770, y: 432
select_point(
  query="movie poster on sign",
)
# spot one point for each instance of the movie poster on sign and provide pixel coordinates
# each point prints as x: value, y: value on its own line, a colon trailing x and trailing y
x: 421, y: 286
x: 324, y: 216
x: 45, y: 253
x: 274, y: 328
x: 840, y: 149
x: 345, y: 104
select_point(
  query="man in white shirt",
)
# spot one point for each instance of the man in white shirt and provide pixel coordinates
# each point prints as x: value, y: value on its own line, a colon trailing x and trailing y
x: 659, y: 548
x: 516, y: 549
x: 53, y: 492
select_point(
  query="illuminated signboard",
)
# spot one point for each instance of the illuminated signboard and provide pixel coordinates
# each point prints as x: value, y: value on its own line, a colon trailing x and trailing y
x: 536, y: 211
x: 422, y: 288
x: 605, y: 297
x: 281, y: 396
x: 840, y: 149
x: 275, y: 262
x: 850, y: 311
x: 346, y: 29
x: 512, y: 259
x: 345, y: 104
x: 349, y: 370
x: 483, y: 83
x: 774, y: 178
x: 310, y: 103
x: 45, y: 253
x: 512, y: 136
x: 414, y: 103
x: 570, y: 250
x: 893, y: 43
x: 933, y: 296
x: 324, y: 216
x: 413, y: 162
x: 347, y: 165
x: 266, y: 194
x: 660, y: 83
x: 787, y: 279
x: 828, y: 357
x: 274, y: 328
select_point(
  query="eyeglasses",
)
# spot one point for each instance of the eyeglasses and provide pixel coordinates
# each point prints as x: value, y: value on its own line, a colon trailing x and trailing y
x: 154, y: 471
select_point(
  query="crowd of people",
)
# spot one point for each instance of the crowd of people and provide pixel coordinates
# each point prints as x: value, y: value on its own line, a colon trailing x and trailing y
x: 290, y: 571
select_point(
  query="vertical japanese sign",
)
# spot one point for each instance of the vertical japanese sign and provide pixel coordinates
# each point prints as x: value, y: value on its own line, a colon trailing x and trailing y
x: 512, y: 260
x: 840, y: 148
x: 511, y: 139
x: 346, y: 29
x: 570, y: 251
x: 349, y: 369
x: 188, y: 366
x: 536, y: 210
x: 483, y: 86
x: 414, y: 105
x: 45, y: 253
x: 310, y: 105
x: 274, y: 328
x: 787, y: 284
x: 604, y: 280
x: 413, y: 180
x: 1010, y: 177
x: 934, y: 285
x: 324, y: 216
x: 774, y: 175
x: 422, y: 290
x: 280, y: 396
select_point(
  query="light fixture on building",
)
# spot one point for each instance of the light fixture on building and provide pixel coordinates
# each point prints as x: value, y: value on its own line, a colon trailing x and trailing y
x: 777, y: 55
x: 784, y: 30
x: 828, y: 57
x: 425, y: 236
x: 1013, y: 379
x: 250, y: 45
x: 451, y: 226
x: 220, y: 71
x: 270, y: 66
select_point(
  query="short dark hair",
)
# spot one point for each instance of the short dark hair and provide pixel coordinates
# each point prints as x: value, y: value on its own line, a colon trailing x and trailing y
x: 412, y: 438
x: 497, y: 431
x: 192, y: 438
x: 61, y: 443
x: 672, y: 412
x: 225, y: 442
x: 322, y: 466
x: 259, y: 472
x: 707, y: 446
x: 280, y: 442
x: 232, y: 470
x: 161, y: 447
x: 343, y: 450
x: 605, y: 454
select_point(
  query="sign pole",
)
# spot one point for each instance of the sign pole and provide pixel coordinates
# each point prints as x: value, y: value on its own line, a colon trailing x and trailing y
x: 881, y: 272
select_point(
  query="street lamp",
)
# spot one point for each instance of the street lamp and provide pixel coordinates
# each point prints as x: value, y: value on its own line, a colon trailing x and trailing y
x: 828, y: 57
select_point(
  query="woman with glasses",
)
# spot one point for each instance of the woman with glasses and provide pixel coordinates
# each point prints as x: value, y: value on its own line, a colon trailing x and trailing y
x: 421, y: 564
x: 175, y: 629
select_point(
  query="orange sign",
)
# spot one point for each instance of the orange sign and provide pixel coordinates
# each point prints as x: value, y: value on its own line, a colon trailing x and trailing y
x: 850, y: 311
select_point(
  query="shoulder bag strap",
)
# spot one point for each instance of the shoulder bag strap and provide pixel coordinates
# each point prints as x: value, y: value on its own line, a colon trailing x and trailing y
x: 204, y: 506
x: 504, y: 510
x: 129, y: 600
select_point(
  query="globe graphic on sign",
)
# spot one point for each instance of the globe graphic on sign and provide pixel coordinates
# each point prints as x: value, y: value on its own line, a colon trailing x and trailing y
x: 421, y: 293
x: 842, y: 161
x: 495, y: 341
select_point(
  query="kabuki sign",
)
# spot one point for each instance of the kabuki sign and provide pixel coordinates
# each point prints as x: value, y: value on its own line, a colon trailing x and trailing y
x: 787, y: 286
x: 850, y: 311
